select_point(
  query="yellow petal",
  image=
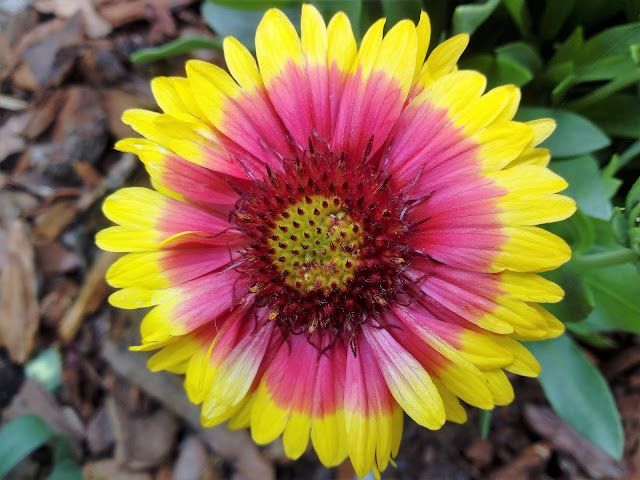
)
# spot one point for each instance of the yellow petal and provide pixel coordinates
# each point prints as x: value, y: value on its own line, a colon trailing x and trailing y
x: 341, y: 44
x: 313, y: 36
x: 277, y: 43
x: 241, y: 64
x: 443, y: 59
x: 423, y: 31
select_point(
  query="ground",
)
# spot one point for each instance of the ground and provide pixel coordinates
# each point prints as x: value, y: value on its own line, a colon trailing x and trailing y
x: 65, y: 79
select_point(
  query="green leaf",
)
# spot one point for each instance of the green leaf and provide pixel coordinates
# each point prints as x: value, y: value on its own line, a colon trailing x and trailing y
x: 584, y: 334
x: 621, y: 82
x: 616, y: 291
x: 618, y: 115
x: 629, y: 154
x: 586, y: 185
x: 519, y: 13
x: 499, y: 71
x: 467, y: 18
x: 568, y: 50
x: 578, y: 301
x: 176, y: 47
x: 608, y: 55
x: 620, y: 226
x: 606, y: 68
x: 19, y: 438
x: 634, y: 239
x: 574, y: 134
x: 521, y: 53
x: 633, y: 197
x: 46, y: 368
x: 611, y: 42
x: 554, y: 16
x: 578, y: 393
x: 396, y: 10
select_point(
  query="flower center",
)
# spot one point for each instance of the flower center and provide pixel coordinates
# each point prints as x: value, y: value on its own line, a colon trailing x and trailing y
x: 317, y: 244
x: 327, y: 244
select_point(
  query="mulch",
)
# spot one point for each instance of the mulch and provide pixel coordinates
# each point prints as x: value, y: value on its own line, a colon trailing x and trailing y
x: 65, y: 79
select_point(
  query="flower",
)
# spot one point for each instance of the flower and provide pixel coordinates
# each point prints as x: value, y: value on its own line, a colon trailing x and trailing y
x: 338, y: 235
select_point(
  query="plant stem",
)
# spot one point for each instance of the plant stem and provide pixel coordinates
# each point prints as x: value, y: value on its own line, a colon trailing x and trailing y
x: 606, y: 259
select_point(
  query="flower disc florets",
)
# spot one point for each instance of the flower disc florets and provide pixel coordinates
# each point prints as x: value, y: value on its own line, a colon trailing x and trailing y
x: 327, y: 242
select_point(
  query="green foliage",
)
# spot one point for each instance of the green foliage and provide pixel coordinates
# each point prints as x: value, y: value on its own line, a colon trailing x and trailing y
x: 574, y: 134
x: 176, y: 47
x: 579, y: 393
x: 586, y: 185
x: 578, y: 62
x: 24, y: 435
x: 467, y: 18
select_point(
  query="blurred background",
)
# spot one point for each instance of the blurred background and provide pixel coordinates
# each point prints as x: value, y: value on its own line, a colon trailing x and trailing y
x: 75, y: 403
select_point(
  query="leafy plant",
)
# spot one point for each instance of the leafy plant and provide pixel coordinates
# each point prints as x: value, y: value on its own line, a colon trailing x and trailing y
x: 26, y: 434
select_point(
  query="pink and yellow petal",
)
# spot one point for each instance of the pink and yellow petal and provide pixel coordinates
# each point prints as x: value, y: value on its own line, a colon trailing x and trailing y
x: 242, y: 65
x: 379, y: 71
x: 193, y: 182
x: 542, y: 129
x: 297, y: 78
x: 143, y: 210
x: 532, y: 156
x: 251, y: 130
x: 484, y: 110
x: 524, y: 363
x: 440, y: 62
x: 531, y: 249
x: 232, y: 368
x: 241, y: 417
x: 423, y: 32
x: 479, y: 347
x: 483, y: 299
x: 454, y: 411
x: 456, y: 91
x: 162, y: 269
x: 287, y: 385
x: 441, y: 359
x: 328, y: 431
x: 408, y: 381
x: 341, y: 53
x: 499, y: 386
x: 186, y: 307
x: 188, y: 137
x: 369, y: 413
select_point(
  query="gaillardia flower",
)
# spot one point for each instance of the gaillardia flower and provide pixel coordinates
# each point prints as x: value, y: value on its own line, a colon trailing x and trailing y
x: 338, y: 235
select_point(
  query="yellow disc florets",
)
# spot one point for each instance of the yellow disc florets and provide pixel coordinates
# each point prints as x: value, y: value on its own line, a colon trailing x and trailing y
x: 316, y: 244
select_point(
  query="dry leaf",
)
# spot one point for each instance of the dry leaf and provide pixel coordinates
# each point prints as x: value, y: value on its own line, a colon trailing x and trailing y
x: 11, y: 140
x: 19, y: 312
x: 95, y: 25
x: 92, y: 294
